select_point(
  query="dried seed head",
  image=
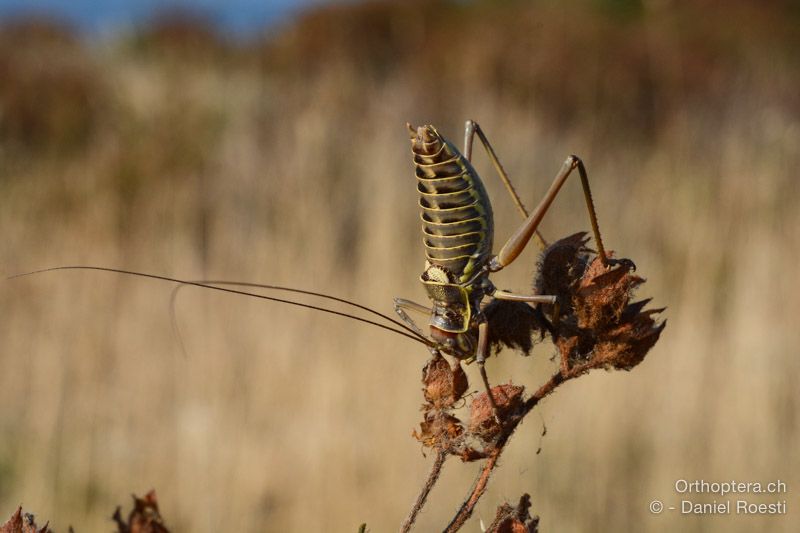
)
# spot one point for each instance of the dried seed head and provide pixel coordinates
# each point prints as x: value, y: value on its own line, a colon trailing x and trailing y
x: 482, y: 423
x: 597, y: 326
x: 515, y: 519
x: 602, y: 327
x: 444, y: 385
x: 144, y: 518
x: 561, y: 266
x: 23, y: 523
x: 602, y: 295
x: 439, y: 430
x: 626, y: 345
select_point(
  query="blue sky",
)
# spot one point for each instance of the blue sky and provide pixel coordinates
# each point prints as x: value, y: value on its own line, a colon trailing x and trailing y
x: 100, y: 16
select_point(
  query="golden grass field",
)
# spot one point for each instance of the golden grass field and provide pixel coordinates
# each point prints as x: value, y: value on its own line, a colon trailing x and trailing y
x: 285, y: 160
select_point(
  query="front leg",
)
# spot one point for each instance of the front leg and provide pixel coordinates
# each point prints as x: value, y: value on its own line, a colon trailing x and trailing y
x: 401, y: 304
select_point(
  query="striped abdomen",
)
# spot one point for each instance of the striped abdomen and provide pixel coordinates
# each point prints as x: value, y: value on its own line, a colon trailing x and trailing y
x: 457, y: 223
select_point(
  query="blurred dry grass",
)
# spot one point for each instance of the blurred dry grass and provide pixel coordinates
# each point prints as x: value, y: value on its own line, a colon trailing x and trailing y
x: 284, y: 160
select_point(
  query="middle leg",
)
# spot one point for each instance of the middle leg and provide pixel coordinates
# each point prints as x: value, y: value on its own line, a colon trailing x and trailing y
x: 483, y: 347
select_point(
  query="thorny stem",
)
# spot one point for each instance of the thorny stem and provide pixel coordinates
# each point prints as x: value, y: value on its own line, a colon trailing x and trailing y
x: 433, y: 476
x: 479, y: 487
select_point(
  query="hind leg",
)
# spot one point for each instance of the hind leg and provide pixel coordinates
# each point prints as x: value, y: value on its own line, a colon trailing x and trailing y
x: 520, y: 238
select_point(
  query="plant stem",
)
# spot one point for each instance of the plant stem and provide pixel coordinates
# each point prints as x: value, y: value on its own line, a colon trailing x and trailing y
x: 467, y: 507
x: 433, y: 476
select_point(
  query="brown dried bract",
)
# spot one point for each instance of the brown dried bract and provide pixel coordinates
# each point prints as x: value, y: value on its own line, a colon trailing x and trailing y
x: 561, y: 266
x: 626, y: 345
x: 23, y: 523
x: 606, y: 329
x: 144, y: 518
x: 444, y: 385
x: 597, y: 325
x: 439, y: 430
x: 482, y: 423
x: 602, y: 295
x: 515, y: 519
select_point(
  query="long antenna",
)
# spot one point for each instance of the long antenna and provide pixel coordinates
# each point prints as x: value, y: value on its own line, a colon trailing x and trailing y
x: 303, y: 291
x: 174, y: 296
x: 223, y: 289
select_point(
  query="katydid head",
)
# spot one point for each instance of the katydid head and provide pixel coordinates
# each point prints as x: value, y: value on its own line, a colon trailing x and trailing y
x: 451, y: 312
x: 459, y: 345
